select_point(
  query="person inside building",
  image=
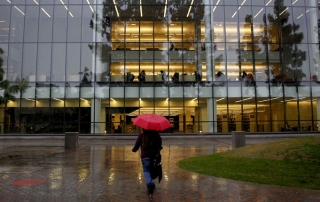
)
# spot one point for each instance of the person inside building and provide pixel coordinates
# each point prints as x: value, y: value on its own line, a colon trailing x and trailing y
x: 220, y: 77
x: 197, y: 75
x: 164, y: 76
x: 172, y: 47
x: 142, y: 76
x: 130, y: 77
x: 175, y: 77
x: 288, y: 127
x: 244, y: 75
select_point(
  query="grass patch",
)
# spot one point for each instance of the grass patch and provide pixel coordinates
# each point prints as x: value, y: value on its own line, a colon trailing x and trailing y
x: 294, y: 163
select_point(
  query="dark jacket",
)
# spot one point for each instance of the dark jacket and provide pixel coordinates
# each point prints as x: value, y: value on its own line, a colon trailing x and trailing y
x: 148, y: 152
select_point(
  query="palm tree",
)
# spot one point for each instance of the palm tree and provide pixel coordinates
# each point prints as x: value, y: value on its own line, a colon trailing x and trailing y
x: 9, y: 89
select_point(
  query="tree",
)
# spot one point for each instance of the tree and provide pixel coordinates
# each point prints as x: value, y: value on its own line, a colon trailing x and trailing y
x: 9, y: 88
x: 288, y: 36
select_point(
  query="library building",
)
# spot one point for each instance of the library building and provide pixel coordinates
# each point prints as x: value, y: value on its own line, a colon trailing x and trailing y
x: 208, y: 66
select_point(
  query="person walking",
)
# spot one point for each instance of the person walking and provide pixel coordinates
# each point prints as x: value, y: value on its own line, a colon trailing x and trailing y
x: 150, y: 143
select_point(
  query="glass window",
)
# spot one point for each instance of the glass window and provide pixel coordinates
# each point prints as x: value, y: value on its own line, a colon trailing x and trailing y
x: 58, y: 61
x: 15, y: 61
x: 48, y: 1
x: 31, y: 24
x: 4, y: 23
x: 44, y: 62
x: 74, y: 23
x: 73, y: 64
x: 258, y: 2
x: 4, y: 57
x: 60, y: 24
x: 17, y: 23
x: 29, y: 62
x: 87, y: 23
x: 45, y: 24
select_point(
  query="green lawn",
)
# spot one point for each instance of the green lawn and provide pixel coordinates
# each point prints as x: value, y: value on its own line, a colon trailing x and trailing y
x: 294, y: 162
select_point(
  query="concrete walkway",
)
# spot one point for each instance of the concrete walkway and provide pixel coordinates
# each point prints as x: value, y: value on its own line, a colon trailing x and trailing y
x: 105, y: 169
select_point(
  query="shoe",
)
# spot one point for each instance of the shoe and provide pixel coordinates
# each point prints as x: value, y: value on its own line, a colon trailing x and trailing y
x: 151, y: 189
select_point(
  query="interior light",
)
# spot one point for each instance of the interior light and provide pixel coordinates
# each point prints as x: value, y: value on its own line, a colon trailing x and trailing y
x: 2, y: 21
x: 83, y: 99
x: 243, y: 2
x: 57, y: 99
x: 140, y: 8
x: 269, y: 2
x: 114, y: 2
x: 167, y: 99
x: 36, y: 2
x: 299, y: 16
x: 45, y: 12
x: 112, y: 99
x: 258, y: 13
x: 234, y: 14
x: 190, y: 8
x: 165, y: 9
x: 284, y: 11
x: 19, y: 10
x: 90, y: 6
x: 215, y: 6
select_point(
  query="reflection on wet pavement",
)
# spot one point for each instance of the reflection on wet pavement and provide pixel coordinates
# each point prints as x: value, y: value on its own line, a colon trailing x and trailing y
x: 111, y: 172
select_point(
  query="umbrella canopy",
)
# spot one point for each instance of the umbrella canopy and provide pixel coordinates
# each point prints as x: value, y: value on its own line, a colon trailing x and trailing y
x: 151, y: 122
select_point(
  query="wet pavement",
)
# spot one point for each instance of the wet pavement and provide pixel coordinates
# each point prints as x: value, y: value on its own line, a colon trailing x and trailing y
x: 107, y: 170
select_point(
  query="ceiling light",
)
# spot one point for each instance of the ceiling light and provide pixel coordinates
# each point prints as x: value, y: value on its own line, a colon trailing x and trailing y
x: 57, y: 99
x: 45, y: 12
x: 284, y: 11
x: 268, y: 3
x: 234, y: 14
x: 90, y: 6
x: 190, y: 8
x: 165, y: 9
x: 258, y: 13
x: 19, y: 10
x: 299, y: 16
x: 116, y: 7
x: 140, y: 8
x: 215, y: 6
x: 36, y: 2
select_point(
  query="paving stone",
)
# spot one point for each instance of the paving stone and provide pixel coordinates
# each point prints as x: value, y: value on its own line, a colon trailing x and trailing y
x: 107, y: 170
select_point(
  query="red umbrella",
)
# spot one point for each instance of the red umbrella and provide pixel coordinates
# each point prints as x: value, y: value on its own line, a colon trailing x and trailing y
x: 151, y: 122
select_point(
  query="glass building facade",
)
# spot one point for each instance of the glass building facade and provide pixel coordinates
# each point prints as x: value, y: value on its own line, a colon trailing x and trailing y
x: 210, y: 65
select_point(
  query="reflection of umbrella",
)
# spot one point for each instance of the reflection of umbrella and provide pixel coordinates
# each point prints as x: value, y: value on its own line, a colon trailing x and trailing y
x: 151, y: 122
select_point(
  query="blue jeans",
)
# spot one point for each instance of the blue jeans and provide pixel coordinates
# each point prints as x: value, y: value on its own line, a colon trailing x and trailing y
x: 146, y: 171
